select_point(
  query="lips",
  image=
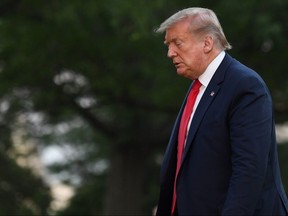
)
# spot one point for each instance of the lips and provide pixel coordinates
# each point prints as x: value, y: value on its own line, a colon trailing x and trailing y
x: 177, y: 64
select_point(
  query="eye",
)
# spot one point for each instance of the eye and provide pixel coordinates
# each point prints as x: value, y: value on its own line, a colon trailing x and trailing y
x: 178, y: 43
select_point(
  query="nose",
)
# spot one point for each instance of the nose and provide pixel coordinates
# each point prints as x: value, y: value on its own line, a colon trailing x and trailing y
x: 171, y: 52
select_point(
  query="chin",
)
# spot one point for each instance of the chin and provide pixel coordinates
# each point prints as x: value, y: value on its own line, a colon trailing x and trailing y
x: 183, y: 74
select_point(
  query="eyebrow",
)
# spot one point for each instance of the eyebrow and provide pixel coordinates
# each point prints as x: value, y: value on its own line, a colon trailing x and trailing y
x: 173, y: 40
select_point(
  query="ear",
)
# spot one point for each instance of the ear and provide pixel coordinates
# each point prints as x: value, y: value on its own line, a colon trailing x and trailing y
x: 208, y: 43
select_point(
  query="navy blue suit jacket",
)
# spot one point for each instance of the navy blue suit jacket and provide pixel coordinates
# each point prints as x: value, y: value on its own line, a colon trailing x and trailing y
x: 230, y: 163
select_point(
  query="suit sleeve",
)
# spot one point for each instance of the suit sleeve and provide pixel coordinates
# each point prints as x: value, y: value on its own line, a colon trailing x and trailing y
x: 250, y: 134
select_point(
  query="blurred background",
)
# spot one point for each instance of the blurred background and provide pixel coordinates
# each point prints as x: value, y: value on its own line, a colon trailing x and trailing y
x: 88, y: 98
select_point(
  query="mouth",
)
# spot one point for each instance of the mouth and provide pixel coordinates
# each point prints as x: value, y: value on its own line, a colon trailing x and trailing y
x: 176, y: 64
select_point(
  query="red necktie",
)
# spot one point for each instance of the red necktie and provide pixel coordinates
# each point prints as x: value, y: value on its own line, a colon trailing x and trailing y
x: 183, y: 131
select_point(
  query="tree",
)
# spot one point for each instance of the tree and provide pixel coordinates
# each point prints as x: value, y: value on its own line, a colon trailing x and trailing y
x: 17, y: 197
x: 65, y: 54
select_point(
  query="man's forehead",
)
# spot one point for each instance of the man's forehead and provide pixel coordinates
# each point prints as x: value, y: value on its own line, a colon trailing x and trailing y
x: 172, y: 35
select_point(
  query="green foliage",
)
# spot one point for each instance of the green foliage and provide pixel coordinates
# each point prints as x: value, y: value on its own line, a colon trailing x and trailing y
x: 89, y: 198
x: 21, y: 192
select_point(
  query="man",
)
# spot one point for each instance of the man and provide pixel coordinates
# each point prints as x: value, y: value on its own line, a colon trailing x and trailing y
x: 221, y: 158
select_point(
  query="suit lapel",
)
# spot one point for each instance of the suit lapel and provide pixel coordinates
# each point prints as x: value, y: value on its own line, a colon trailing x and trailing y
x: 210, y: 93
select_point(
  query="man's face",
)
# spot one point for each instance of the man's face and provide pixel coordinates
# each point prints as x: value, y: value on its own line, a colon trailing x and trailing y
x: 185, y: 50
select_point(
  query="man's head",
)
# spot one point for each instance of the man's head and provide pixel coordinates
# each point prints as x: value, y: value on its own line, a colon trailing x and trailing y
x: 194, y: 38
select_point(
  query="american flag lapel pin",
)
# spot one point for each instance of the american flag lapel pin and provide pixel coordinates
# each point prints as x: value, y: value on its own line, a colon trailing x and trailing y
x: 212, y: 93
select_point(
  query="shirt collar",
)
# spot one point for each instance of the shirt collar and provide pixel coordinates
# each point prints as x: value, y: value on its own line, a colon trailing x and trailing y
x: 211, y: 69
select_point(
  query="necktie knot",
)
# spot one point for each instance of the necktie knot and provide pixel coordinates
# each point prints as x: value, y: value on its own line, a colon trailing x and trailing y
x: 192, y: 96
x: 196, y: 85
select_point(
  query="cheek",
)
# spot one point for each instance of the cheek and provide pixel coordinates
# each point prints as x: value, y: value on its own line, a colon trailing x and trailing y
x: 191, y: 55
x: 191, y: 58
x: 196, y: 56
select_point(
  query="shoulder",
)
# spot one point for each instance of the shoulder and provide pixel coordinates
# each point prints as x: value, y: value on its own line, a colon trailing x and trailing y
x: 239, y: 74
x: 241, y: 81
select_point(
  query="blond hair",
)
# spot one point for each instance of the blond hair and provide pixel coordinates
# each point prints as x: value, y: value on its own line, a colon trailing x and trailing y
x: 202, y: 21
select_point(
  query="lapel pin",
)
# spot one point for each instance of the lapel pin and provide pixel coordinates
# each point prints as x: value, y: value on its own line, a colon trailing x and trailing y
x: 212, y: 93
